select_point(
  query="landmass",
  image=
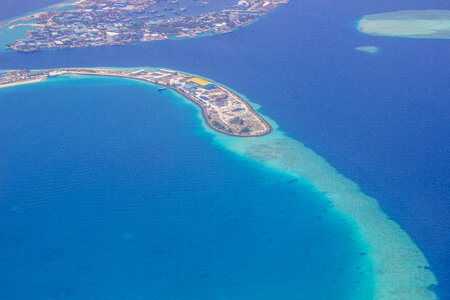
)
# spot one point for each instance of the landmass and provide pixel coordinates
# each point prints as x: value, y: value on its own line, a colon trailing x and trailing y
x: 432, y: 24
x: 111, y: 22
x: 223, y: 110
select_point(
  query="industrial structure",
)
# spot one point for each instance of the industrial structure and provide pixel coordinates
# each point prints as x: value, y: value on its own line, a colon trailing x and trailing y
x: 203, y: 83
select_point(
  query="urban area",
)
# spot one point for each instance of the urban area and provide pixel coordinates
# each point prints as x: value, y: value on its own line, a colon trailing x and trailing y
x: 108, y: 22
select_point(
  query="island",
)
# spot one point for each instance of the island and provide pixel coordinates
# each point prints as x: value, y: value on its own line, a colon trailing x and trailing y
x: 222, y: 109
x: 87, y: 23
x: 420, y: 24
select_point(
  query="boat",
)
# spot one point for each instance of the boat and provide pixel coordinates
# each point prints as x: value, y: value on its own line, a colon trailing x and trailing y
x: 161, y: 88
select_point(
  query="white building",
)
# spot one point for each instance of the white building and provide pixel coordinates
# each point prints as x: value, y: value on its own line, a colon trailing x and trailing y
x: 111, y: 37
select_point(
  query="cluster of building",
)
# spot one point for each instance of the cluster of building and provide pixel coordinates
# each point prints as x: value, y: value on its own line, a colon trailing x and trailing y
x: 225, y: 111
x: 12, y: 76
x: 110, y: 22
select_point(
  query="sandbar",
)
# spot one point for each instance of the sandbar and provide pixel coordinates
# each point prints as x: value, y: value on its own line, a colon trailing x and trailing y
x: 424, y: 24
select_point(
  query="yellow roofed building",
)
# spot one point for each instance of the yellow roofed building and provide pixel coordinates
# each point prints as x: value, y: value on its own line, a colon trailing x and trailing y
x: 202, y: 82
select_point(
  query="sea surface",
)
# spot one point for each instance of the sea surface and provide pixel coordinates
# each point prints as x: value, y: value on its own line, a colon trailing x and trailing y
x: 91, y: 175
x: 115, y: 191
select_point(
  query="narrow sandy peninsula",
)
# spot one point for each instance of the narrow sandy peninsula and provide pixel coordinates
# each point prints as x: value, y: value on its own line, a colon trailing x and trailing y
x: 223, y: 110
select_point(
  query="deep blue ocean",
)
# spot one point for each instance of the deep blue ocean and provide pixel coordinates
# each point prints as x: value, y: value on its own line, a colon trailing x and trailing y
x: 117, y: 192
x: 114, y: 192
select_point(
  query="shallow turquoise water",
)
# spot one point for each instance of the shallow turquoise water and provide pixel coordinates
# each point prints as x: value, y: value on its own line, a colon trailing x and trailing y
x: 10, y: 35
x: 111, y: 189
x: 382, y: 120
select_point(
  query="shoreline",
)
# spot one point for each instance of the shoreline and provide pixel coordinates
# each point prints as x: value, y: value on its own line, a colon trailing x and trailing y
x: 34, y: 12
x: 215, y: 129
x: 22, y: 82
x: 101, y: 72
